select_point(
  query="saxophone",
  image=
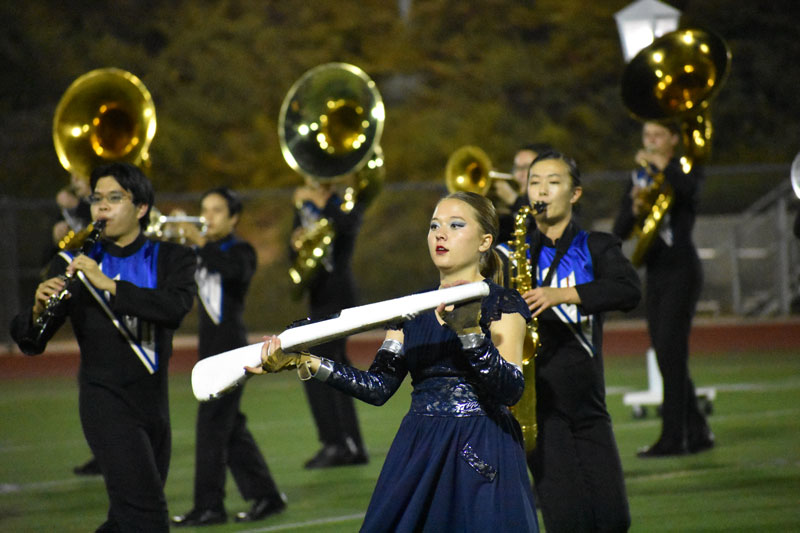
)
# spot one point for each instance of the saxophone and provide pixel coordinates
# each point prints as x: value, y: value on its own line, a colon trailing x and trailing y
x: 521, y: 279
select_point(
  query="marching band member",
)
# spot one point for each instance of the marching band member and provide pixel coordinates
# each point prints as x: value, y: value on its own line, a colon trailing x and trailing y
x: 331, y: 289
x: 511, y: 197
x: 580, y: 275
x: 457, y: 462
x: 132, y: 295
x: 674, y: 281
x: 226, y: 265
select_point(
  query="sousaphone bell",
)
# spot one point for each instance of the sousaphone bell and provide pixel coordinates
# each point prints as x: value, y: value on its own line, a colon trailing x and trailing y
x: 675, y: 79
x: 330, y: 126
x: 106, y: 115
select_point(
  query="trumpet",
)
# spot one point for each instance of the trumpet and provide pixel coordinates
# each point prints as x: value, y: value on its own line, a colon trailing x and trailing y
x: 163, y: 227
x: 469, y: 169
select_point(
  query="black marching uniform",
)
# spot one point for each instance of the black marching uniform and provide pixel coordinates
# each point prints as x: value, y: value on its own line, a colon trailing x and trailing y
x: 332, y: 289
x: 224, y: 271
x: 123, y: 387
x: 674, y: 281
x: 576, y: 465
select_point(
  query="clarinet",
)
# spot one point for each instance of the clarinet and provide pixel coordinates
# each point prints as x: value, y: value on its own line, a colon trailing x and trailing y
x: 54, y: 308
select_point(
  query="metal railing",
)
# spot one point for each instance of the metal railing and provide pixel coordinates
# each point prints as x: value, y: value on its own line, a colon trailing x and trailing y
x: 764, y: 256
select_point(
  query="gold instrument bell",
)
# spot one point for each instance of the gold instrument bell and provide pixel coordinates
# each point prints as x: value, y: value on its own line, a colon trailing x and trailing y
x: 469, y: 169
x: 330, y: 121
x: 674, y: 79
x: 330, y: 126
x: 105, y: 115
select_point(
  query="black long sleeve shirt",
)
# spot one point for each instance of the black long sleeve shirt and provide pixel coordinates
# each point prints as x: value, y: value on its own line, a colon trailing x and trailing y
x: 152, y: 314
x: 680, y: 219
x: 334, y: 290
x: 224, y: 272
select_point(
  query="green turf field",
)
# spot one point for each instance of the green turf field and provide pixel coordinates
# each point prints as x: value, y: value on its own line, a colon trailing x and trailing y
x: 749, y: 482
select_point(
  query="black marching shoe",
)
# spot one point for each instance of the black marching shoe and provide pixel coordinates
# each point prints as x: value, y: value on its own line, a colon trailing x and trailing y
x: 200, y: 517
x: 663, y: 449
x: 89, y: 468
x: 263, y: 508
x: 331, y: 455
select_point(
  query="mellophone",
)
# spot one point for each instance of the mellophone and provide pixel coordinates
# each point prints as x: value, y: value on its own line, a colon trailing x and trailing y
x: 221, y: 373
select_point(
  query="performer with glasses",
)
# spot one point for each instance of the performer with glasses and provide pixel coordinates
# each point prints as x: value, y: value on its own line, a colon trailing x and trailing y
x: 128, y: 295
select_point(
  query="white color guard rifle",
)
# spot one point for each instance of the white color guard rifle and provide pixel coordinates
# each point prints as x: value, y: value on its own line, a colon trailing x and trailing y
x: 221, y: 373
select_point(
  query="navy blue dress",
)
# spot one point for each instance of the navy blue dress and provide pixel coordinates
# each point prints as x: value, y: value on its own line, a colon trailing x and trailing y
x: 457, y: 462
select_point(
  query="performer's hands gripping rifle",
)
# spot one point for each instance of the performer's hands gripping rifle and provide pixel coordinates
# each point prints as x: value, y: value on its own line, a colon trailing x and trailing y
x: 216, y: 375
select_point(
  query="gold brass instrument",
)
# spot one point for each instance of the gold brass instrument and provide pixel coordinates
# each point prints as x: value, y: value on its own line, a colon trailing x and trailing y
x: 105, y: 115
x: 675, y: 79
x: 74, y: 238
x: 330, y: 126
x: 521, y: 279
x: 657, y: 199
x: 469, y: 169
x: 167, y: 228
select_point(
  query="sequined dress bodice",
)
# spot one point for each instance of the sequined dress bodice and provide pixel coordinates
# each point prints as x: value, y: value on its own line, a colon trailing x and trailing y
x: 440, y: 375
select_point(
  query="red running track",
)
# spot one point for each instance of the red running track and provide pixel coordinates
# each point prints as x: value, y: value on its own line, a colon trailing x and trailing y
x: 622, y: 338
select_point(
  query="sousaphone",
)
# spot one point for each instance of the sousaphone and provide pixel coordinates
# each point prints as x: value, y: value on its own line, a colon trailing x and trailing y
x: 106, y: 115
x: 675, y: 79
x: 330, y: 126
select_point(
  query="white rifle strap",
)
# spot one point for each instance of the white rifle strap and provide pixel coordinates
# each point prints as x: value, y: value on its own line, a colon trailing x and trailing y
x: 147, y: 357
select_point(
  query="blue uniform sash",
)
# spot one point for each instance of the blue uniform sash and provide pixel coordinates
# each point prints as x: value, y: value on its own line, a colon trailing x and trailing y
x: 574, y: 269
x: 140, y: 269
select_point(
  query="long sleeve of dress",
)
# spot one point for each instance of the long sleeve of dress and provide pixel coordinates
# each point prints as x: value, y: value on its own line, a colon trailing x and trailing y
x: 374, y: 386
x: 496, y: 377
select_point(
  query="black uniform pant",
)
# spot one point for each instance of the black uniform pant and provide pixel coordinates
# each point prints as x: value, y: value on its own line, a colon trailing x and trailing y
x: 576, y: 467
x: 223, y: 441
x: 129, y: 434
x: 673, y: 289
x: 334, y: 412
